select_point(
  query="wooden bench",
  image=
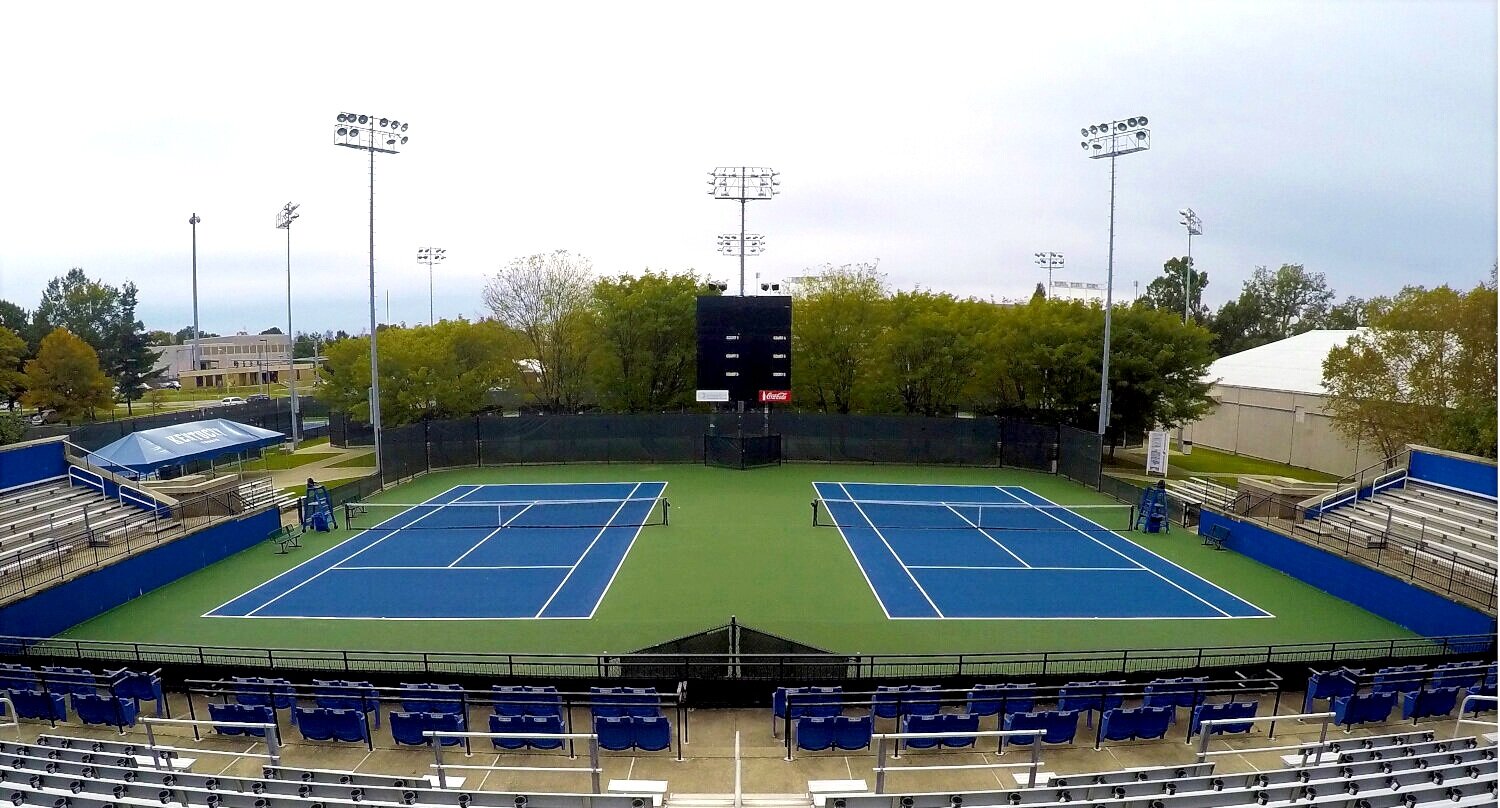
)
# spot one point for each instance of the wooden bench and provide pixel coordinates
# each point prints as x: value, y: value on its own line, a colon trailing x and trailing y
x: 286, y: 536
x: 1216, y: 536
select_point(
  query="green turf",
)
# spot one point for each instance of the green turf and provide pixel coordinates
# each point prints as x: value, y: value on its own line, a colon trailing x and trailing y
x: 366, y: 460
x: 1211, y: 461
x: 740, y: 543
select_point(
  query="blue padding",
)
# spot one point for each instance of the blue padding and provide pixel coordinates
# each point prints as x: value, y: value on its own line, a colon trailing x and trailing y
x: 1475, y: 476
x: 24, y: 465
x: 815, y: 733
x: 850, y: 732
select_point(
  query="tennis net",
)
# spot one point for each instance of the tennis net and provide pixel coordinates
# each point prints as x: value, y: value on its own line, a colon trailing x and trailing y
x: 888, y: 514
x: 578, y: 513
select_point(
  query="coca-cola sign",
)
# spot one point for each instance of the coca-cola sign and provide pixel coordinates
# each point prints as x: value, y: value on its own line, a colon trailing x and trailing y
x: 775, y: 396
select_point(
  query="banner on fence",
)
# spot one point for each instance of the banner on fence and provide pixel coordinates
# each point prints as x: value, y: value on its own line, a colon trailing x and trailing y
x: 1156, y: 452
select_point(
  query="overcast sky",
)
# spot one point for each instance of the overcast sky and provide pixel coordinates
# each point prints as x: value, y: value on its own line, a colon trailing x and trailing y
x: 1357, y: 138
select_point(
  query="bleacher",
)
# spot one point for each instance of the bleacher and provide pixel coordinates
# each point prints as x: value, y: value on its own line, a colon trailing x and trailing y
x: 1198, y: 492
x: 260, y: 492
x: 1419, y: 520
x: 47, y: 521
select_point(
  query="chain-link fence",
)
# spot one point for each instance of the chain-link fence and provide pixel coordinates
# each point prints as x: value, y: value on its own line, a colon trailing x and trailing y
x: 275, y: 414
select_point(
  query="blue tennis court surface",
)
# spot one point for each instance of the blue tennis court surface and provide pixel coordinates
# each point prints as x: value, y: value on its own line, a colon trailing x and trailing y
x: 537, y: 551
x: 997, y: 552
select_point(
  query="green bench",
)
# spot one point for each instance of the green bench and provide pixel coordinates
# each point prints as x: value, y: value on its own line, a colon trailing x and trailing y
x: 286, y: 537
x: 1216, y: 536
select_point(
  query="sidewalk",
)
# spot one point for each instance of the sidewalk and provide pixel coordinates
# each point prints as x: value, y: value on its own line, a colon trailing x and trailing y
x: 323, y: 470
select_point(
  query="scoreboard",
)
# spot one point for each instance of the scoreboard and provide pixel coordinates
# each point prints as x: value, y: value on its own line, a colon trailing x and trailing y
x: 745, y: 349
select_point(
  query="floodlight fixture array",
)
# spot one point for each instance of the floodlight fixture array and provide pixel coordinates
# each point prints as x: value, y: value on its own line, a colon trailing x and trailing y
x: 1194, y: 227
x: 284, y: 219
x: 742, y: 184
x: 430, y: 256
x: 753, y: 243
x: 1052, y: 261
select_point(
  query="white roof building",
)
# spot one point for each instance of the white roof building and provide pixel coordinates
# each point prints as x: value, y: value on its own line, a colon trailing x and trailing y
x: 1293, y: 365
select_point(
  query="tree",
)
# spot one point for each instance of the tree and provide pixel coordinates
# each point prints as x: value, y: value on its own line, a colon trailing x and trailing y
x: 156, y: 398
x: 838, y: 314
x: 1236, y: 326
x: 130, y: 361
x: 157, y: 338
x: 545, y: 297
x: 19, y: 321
x: 1165, y: 291
x: 12, y: 361
x: 305, y: 346
x: 1272, y: 306
x: 1350, y: 314
x: 184, y: 335
x: 647, y: 330
x: 65, y: 376
x: 272, y: 330
x: 1039, y: 294
x: 1157, y: 369
x: 12, y: 427
x: 1042, y: 361
x: 928, y: 362
x: 1424, y: 372
x: 86, y: 308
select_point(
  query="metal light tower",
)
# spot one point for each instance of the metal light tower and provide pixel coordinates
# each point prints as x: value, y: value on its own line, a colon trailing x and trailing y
x: 284, y: 219
x: 194, y: 220
x: 1194, y: 227
x: 1050, y: 260
x: 1112, y: 140
x: 383, y: 135
x: 743, y: 184
x: 429, y: 256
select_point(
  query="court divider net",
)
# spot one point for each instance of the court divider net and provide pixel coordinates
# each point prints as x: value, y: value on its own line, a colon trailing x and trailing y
x: 572, y: 513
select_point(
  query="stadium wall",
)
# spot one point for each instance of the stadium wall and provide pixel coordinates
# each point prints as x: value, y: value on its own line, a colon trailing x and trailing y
x: 1464, y: 472
x: 1286, y: 427
x: 28, y: 463
x: 61, y: 607
x: 1404, y: 604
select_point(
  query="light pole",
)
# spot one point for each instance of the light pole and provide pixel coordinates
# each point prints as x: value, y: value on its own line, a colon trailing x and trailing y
x: 384, y: 135
x: 429, y: 256
x: 1050, y: 260
x: 743, y: 183
x: 1112, y: 140
x: 1194, y: 227
x: 284, y: 219
x: 194, y: 220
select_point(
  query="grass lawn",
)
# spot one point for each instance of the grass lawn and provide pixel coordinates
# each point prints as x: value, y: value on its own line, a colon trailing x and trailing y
x: 366, y: 460
x: 1213, y: 462
x: 299, y: 490
x: 742, y: 544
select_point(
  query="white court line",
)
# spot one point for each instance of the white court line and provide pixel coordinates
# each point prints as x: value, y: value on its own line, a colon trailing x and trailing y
x: 1149, y: 551
x: 986, y: 534
x: 586, y: 550
x: 492, y: 533
x: 319, y: 574
x: 857, y: 565
x: 1075, y: 529
x: 210, y: 612
x: 660, y: 493
x: 508, y: 567
x: 892, y: 550
x: 1039, y: 569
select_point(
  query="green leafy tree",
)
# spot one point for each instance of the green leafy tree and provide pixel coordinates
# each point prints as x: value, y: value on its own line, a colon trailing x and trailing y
x: 65, y: 376
x: 1423, y: 373
x: 838, y: 314
x: 19, y: 321
x: 130, y: 360
x: 1157, y: 368
x: 12, y: 427
x: 1039, y: 294
x: 1272, y: 306
x: 929, y: 359
x: 1350, y: 314
x: 1165, y: 291
x: 13, y: 354
x: 646, y: 326
x: 1042, y: 360
x: 184, y: 335
x: 156, y: 398
x: 88, y: 308
x: 546, y: 297
x: 157, y: 338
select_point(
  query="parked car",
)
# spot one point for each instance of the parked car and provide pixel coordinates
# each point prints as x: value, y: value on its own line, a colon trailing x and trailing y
x: 257, y: 397
x: 45, y: 417
x: 231, y: 401
x: 171, y: 384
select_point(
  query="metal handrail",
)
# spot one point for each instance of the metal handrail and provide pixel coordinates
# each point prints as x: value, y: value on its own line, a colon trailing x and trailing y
x: 880, y: 738
x: 1463, y: 707
x: 273, y: 740
x: 1204, y: 734
x: 442, y: 775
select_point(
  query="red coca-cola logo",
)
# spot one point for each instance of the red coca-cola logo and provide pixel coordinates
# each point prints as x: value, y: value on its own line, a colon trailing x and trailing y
x: 775, y: 396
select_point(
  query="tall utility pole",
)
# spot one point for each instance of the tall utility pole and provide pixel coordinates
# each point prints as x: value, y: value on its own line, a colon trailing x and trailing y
x: 743, y: 184
x: 194, y: 220
x: 429, y: 256
x: 284, y: 219
x: 383, y: 135
x: 1112, y: 140
x: 1194, y: 227
x: 1050, y: 260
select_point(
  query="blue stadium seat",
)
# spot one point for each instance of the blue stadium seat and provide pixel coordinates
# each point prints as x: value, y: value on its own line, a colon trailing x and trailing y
x: 315, y: 723
x: 995, y: 699
x: 508, y: 723
x: 17, y: 677
x: 958, y: 722
x: 509, y: 700
x: 1088, y: 697
x: 407, y: 728
x: 1214, y: 712
x: 1118, y: 724
x: 824, y: 701
x: 1429, y: 703
x: 641, y: 702
x: 258, y: 690
x: 1456, y: 674
x: 607, y: 702
x: 112, y: 710
x: 551, y: 724
x: 1399, y: 679
x: 1152, y: 722
x: 616, y: 733
x: 432, y: 698
x: 241, y: 713
x: 347, y: 725
x: 1185, y: 691
x: 1330, y: 685
x: 922, y: 723
x: 815, y: 733
x: 39, y: 705
x: 339, y: 694
x: 894, y: 701
x: 524, y: 700
x: 1056, y: 726
x: 852, y: 732
x: 70, y: 680
x: 652, y: 733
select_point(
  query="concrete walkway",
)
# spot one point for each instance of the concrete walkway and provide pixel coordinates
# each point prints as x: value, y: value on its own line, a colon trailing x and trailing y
x: 323, y: 470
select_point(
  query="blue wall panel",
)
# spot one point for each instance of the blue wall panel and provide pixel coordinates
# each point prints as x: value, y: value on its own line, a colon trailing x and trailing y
x: 53, y: 610
x: 1465, y: 475
x: 27, y: 464
x: 1401, y: 603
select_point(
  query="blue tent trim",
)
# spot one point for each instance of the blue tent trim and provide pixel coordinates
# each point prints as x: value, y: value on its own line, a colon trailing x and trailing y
x: 148, y: 450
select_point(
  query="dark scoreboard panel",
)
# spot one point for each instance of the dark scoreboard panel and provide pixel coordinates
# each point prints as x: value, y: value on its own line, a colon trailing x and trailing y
x: 745, y: 349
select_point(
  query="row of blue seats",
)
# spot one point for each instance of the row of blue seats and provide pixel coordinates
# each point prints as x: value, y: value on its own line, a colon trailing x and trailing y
x: 902, y: 700
x: 442, y: 698
x: 1375, y: 708
x: 137, y: 686
x: 616, y: 733
x: 91, y: 708
x: 1332, y: 684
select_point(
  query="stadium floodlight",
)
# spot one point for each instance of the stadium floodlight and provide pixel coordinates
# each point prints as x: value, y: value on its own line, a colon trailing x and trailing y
x: 1194, y: 227
x: 1050, y: 260
x: 430, y: 256
x: 365, y: 132
x: 284, y: 219
x: 1112, y: 140
x: 743, y: 184
x: 752, y: 243
x: 194, y: 353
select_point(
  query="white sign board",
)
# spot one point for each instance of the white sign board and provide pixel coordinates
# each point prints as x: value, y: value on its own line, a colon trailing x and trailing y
x: 713, y: 395
x: 1156, y: 452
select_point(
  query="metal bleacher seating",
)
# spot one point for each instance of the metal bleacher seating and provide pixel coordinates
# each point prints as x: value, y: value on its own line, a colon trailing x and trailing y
x: 46, y: 522
x: 1422, y: 520
x: 260, y: 492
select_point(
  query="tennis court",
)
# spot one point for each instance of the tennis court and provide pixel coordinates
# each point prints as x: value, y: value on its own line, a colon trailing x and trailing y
x: 1004, y: 552
x: 473, y: 552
